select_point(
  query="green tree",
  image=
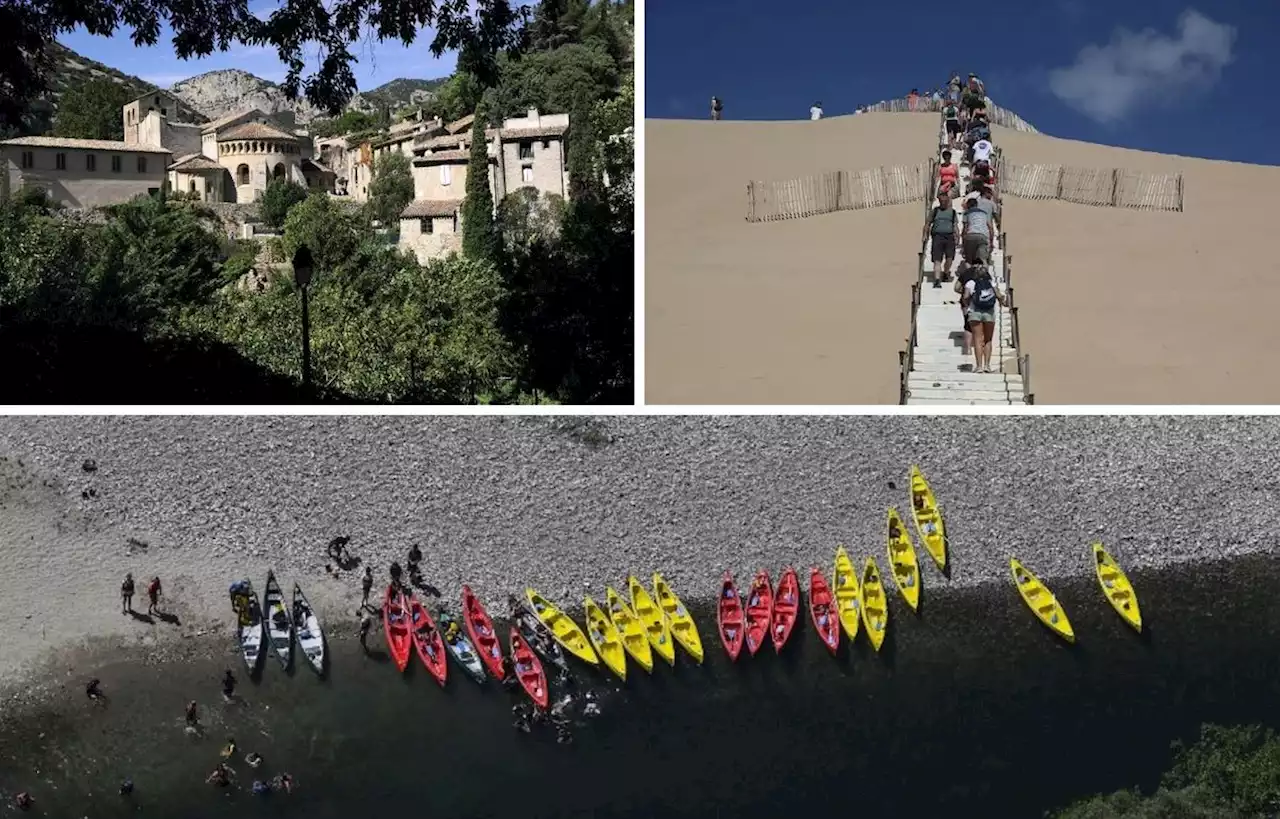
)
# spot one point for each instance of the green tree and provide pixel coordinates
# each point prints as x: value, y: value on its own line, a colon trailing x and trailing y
x: 331, y: 231
x: 457, y: 97
x: 278, y: 199
x: 480, y: 239
x: 527, y: 216
x: 91, y: 110
x: 391, y: 189
x: 552, y: 81
x: 350, y: 122
x: 604, y: 29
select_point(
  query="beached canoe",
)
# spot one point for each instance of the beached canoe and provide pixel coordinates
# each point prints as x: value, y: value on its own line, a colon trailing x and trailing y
x: 604, y: 636
x: 681, y: 623
x: 1116, y: 586
x: 480, y: 630
x: 539, y: 637
x: 822, y: 609
x: 279, y: 623
x: 1041, y: 601
x: 655, y: 622
x: 786, y: 608
x: 395, y: 624
x: 848, y: 593
x: 903, y: 563
x: 562, y: 627
x: 630, y: 629
x: 759, y: 612
x: 249, y: 629
x: 307, y: 630
x: 528, y: 669
x: 875, y: 608
x: 928, y: 518
x: 460, y: 646
x: 730, y: 617
x: 427, y: 640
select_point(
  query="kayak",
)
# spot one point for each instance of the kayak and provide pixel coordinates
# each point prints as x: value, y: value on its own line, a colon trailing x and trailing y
x: 823, y: 610
x: 655, y: 623
x: 249, y: 630
x: 563, y: 629
x: 875, y: 609
x: 678, y: 618
x: 307, y: 630
x: 1041, y: 601
x: 848, y: 593
x: 455, y: 639
x: 528, y: 669
x: 630, y: 629
x: 427, y: 640
x: 279, y: 624
x: 928, y: 517
x: 395, y: 623
x: 604, y: 636
x: 786, y: 605
x: 730, y: 617
x: 538, y: 637
x: 480, y: 630
x: 759, y: 612
x: 1116, y: 586
x: 902, y: 560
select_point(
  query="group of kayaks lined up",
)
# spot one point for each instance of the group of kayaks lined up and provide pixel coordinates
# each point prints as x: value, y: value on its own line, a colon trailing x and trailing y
x: 281, y: 626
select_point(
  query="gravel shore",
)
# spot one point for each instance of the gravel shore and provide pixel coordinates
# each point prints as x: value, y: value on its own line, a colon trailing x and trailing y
x: 569, y: 504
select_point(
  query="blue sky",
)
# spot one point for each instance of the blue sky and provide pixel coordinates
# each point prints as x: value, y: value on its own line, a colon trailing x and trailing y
x: 377, y: 62
x: 1159, y: 75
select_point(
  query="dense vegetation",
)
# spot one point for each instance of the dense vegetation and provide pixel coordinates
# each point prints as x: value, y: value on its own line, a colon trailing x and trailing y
x: 1230, y: 773
x: 149, y: 302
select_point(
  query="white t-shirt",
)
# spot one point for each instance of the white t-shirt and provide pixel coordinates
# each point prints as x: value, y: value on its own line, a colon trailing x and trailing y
x: 815, y: 113
x: 982, y: 151
x: 971, y: 285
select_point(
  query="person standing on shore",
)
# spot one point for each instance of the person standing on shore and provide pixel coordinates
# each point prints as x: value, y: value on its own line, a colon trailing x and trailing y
x: 153, y: 595
x: 366, y: 586
x: 366, y: 624
x: 126, y: 594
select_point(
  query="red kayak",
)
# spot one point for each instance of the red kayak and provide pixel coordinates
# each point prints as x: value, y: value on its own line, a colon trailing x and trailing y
x: 786, y: 608
x: 480, y: 630
x: 822, y: 608
x: 730, y: 619
x: 759, y: 612
x: 528, y: 669
x: 428, y: 641
x: 395, y: 621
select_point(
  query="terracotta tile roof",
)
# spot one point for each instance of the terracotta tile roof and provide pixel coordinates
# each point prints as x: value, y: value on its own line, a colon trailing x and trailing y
x: 256, y: 130
x: 534, y: 133
x: 458, y: 125
x: 431, y: 207
x: 85, y: 144
x: 443, y: 156
x: 195, y: 162
x: 226, y: 119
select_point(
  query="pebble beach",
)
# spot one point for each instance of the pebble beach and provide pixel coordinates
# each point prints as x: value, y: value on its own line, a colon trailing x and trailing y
x: 569, y: 504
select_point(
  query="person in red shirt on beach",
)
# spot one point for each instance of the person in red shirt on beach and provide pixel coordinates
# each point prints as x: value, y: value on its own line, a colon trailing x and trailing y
x: 948, y: 174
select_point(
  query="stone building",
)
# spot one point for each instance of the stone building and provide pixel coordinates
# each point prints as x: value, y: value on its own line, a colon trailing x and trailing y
x: 83, y: 173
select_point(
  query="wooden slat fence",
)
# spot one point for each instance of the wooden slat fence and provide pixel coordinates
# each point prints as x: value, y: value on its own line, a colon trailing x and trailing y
x: 1106, y: 187
x: 837, y: 190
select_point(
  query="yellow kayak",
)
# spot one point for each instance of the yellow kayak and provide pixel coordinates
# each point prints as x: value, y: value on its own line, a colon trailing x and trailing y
x: 1116, y: 586
x: 562, y: 628
x: 678, y: 619
x: 902, y: 560
x: 655, y: 624
x: 875, y: 609
x: 848, y: 593
x: 604, y: 636
x: 1041, y: 601
x: 629, y: 628
x: 924, y: 508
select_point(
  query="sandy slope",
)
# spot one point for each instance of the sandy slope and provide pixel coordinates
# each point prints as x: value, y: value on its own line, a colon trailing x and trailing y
x: 803, y: 311
x: 1117, y: 306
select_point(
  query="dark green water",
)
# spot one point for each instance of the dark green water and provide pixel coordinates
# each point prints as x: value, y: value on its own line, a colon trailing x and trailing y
x: 972, y: 707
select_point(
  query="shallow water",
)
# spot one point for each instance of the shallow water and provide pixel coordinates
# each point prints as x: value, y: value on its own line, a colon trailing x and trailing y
x: 972, y: 707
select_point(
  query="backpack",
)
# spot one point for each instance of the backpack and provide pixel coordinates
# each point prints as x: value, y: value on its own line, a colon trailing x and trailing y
x: 951, y: 112
x: 984, y: 293
x: 948, y: 218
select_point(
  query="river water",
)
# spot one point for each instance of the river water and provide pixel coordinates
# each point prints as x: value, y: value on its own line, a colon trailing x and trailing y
x: 972, y: 707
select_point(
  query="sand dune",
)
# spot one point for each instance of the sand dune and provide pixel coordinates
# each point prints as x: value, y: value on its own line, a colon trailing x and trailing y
x: 1116, y: 306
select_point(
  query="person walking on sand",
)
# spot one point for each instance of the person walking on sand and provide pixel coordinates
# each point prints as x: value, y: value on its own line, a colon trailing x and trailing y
x: 943, y: 231
x: 716, y: 108
x: 366, y: 586
x: 153, y: 595
x: 815, y: 111
x: 979, y: 299
x: 366, y: 624
x: 948, y: 174
x: 126, y: 594
x: 979, y: 233
x: 951, y: 116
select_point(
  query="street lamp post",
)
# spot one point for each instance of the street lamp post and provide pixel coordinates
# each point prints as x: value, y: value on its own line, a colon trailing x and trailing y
x: 302, y: 269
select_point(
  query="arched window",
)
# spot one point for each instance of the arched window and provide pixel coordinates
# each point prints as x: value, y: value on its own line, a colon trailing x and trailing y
x: 278, y: 171
x: 242, y: 175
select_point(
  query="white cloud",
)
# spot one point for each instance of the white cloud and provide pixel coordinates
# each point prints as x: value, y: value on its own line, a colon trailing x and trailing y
x: 1108, y: 83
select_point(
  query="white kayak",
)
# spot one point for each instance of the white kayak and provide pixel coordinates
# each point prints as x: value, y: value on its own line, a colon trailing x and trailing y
x: 279, y: 623
x: 307, y: 630
x: 460, y: 647
x: 244, y: 602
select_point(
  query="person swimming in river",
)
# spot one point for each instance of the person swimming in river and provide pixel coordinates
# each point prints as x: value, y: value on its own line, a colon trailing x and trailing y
x: 253, y: 759
x: 193, y: 716
x: 228, y: 685
x: 229, y: 749
x: 93, y: 690
x: 221, y: 776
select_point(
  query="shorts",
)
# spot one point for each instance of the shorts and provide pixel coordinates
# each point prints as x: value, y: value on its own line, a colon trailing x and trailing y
x: 988, y: 317
x: 977, y: 247
x: 943, y: 246
x: 953, y: 126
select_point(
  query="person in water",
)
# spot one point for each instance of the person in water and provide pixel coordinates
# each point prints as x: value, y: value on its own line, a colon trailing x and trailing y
x: 229, y: 749
x: 261, y: 788
x: 126, y: 787
x: 221, y: 776
x: 283, y: 782
x: 193, y: 716
x: 253, y: 759
x: 24, y: 801
x: 366, y: 624
x: 93, y: 690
